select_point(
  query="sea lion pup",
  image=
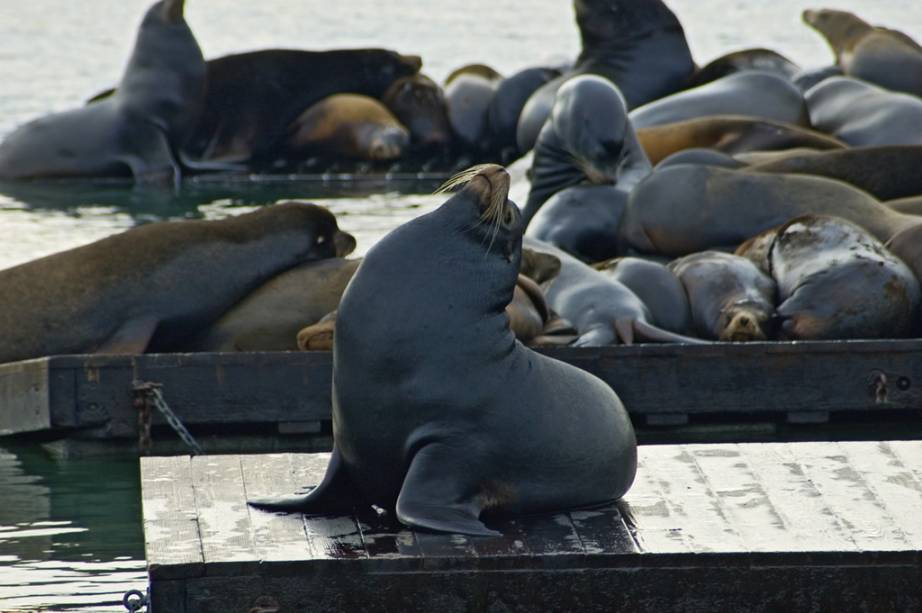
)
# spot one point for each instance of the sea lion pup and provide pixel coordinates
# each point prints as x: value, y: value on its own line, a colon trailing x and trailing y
x: 657, y: 286
x: 751, y: 93
x: 731, y: 299
x: 508, y: 101
x: 881, y: 56
x: 134, y: 132
x: 270, y: 317
x: 440, y: 414
x: 419, y: 104
x: 887, y: 173
x: 836, y: 281
x: 684, y: 209
x: 587, y: 139
x: 348, y: 126
x: 253, y: 97
x: 861, y: 114
x: 758, y: 58
x: 730, y: 134
x: 155, y: 285
x: 603, y: 311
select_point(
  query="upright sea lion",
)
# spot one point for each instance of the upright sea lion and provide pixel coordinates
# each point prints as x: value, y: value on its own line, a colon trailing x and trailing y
x: 639, y: 45
x: 765, y: 60
x: 835, y: 281
x: 468, y: 99
x: 419, y: 103
x: 507, y: 103
x: 348, y: 126
x: 134, y: 132
x: 588, y: 138
x: 683, y: 209
x: 886, y: 173
x: 156, y: 285
x: 254, y: 97
x: 751, y: 93
x: 729, y: 134
x: 509, y: 430
x: 731, y: 299
x: 657, y: 286
x: 862, y: 114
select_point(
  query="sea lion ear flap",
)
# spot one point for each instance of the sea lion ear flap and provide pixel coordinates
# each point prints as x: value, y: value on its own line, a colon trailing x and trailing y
x: 539, y: 267
x: 172, y: 10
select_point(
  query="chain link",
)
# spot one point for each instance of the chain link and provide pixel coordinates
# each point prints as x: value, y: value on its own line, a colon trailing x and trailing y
x: 151, y: 392
x: 135, y: 600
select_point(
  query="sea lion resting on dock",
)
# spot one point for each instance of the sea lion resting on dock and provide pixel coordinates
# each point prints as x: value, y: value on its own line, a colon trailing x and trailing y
x: 441, y: 414
x: 153, y: 286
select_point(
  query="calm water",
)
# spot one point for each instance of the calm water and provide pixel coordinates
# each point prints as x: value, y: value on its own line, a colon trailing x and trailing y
x: 69, y: 529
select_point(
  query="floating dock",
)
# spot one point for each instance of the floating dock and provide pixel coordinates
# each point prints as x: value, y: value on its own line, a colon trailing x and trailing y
x: 281, y: 394
x: 755, y: 527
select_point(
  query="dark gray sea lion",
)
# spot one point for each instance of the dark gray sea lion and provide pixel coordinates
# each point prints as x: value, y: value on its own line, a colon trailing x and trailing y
x: 154, y: 286
x: 583, y: 221
x: 731, y: 299
x: 419, y: 103
x: 468, y: 99
x: 862, y: 114
x: 658, y: 288
x: 603, y: 311
x: 751, y: 93
x: 497, y: 434
x: 683, y: 209
x: 887, y: 173
x: 808, y: 77
x: 507, y: 103
x: 270, y: 317
x: 253, y: 97
x: 587, y: 139
x: 134, y: 132
x: 835, y: 281
x: 348, y: 126
x: 639, y: 45
x: 765, y: 60
x: 730, y: 134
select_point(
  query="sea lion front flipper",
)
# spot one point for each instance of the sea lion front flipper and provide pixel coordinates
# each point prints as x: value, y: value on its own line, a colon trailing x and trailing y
x: 434, y: 497
x: 334, y: 495
x: 132, y: 337
x: 151, y: 159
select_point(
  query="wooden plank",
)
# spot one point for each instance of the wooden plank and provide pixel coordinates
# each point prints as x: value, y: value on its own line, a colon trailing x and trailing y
x: 172, y: 542
x: 24, y: 402
x: 648, y: 513
x: 603, y: 531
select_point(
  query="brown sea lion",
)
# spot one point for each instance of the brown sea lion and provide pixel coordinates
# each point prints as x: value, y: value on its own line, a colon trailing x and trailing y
x: 746, y: 59
x: 419, y: 104
x: 657, y: 286
x: 836, y: 281
x: 155, y: 285
x: 729, y: 134
x: 348, y: 126
x: 477, y: 70
x: 887, y: 173
x: 731, y: 299
x: 908, y: 206
x: 907, y: 245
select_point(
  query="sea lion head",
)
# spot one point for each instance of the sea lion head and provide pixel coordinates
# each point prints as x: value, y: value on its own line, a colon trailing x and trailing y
x: 742, y: 323
x: 381, y: 67
x: 419, y: 103
x: 590, y: 118
x: 612, y: 22
x: 840, y: 28
x: 326, y: 239
x: 170, y: 11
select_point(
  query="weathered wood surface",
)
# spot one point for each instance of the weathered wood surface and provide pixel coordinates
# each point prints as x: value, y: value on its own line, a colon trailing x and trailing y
x: 659, y: 384
x: 758, y: 527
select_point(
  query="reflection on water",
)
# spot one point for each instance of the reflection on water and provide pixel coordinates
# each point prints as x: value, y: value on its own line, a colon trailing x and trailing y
x: 70, y: 534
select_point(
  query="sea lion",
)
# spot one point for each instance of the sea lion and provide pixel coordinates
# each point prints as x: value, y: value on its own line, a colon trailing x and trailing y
x: 153, y: 286
x: 582, y: 220
x: 639, y: 45
x: 909, y: 206
x: 808, y: 77
x: 836, y: 281
x: 731, y: 299
x: 134, y: 132
x: 348, y: 126
x: 318, y: 336
x: 478, y: 70
x: 907, y: 245
x: 758, y: 58
x: 270, y: 317
x: 887, y: 173
x: 751, y: 93
x: 509, y: 431
x: 658, y: 288
x: 588, y: 138
x: 730, y: 134
x: 419, y: 104
x: 862, y: 114
x: 683, y: 209
x: 507, y: 103
x: 253, y: 97
x: 702, y: 157
x: 468, y: 98
x: 603, y: 311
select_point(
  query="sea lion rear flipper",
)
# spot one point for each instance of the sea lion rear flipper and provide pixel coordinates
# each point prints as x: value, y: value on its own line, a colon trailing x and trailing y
x: 334, y: 495
x: 131, y: 337
x: 651, y: 333
x: 625, y: 329
x: 434, y: 497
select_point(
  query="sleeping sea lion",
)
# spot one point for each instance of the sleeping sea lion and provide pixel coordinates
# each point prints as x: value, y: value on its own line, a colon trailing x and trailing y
x: 419, y: 104
x: 657, y: 286
x: 758, y: 58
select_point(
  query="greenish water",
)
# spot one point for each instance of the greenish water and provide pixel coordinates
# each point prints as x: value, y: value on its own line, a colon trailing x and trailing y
x: 70, y: 537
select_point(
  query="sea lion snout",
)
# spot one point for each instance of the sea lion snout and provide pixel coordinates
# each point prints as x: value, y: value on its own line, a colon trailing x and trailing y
x: 344, y: 243
x: 413, y: 61
x: 172, y: 10
x: 490, y: 182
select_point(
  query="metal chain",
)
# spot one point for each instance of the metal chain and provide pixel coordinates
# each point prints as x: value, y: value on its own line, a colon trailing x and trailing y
x: 135, y: 604
x: 152, y: 391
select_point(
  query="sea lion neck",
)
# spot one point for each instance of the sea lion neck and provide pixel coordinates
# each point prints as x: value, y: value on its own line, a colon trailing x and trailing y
x: 611, y: 25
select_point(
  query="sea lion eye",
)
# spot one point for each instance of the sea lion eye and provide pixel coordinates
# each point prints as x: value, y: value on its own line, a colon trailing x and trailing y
x: 321, y: 239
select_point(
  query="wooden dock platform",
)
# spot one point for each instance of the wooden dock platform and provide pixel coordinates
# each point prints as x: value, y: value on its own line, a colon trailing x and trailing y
x: 756, y: 527
x: 90, y: 396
